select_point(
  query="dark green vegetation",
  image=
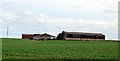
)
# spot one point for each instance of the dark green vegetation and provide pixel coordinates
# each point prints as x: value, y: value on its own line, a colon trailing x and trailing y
x: 58, y: 49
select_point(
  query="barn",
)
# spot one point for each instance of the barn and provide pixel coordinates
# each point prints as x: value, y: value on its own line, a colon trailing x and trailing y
x: 27, y: 36
x: 44, y: 36
x: 80, y: 36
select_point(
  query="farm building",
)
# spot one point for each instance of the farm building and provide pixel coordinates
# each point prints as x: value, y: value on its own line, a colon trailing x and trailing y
x: 27, y: 36
x: 80, y: 36
x: 44, y: 36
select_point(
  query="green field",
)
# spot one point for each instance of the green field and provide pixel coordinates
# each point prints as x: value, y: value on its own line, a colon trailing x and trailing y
x: 58, y: 49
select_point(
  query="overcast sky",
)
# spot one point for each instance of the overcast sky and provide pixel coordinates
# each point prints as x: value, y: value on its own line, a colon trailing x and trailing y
x: 54, y: 16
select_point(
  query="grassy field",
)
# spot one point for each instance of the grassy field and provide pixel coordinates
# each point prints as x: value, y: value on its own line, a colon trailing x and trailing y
x: 58, y: 49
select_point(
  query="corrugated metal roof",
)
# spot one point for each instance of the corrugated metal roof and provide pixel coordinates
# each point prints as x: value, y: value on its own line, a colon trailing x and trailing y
x: 45, y: 34
x: 83, y: 33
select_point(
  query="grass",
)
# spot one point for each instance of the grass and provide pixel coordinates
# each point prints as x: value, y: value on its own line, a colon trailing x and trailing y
x: 58, y: 49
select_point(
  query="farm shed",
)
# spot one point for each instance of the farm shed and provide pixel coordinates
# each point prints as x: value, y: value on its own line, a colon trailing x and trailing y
x: 80, y: 36
x: 27, y: 36
x: 44, y: 36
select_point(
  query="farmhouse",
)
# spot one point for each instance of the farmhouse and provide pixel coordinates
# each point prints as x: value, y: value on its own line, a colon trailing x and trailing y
x: 80, y: 36
x: 44, y: 36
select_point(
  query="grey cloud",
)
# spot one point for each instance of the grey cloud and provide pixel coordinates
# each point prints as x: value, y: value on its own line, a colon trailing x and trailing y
x: 110, y: 11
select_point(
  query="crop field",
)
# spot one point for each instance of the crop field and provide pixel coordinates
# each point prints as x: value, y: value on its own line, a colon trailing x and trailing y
x: 58, y: 49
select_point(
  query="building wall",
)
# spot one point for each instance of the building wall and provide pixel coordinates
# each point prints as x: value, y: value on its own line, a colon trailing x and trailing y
x: 82, y: 39
x: 27, y: 36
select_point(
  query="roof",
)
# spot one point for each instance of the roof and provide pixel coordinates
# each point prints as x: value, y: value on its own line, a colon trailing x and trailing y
x: 82, y: 33
x: 27, y: 34
x: 45, y: 34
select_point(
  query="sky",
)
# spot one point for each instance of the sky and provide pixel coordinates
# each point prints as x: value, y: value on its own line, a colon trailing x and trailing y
x: 55, y: 16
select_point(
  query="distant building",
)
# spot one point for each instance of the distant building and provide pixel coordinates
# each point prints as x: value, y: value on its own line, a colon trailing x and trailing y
x: 80, y: 36
x: 44, y: 36
x: 27, y: 36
